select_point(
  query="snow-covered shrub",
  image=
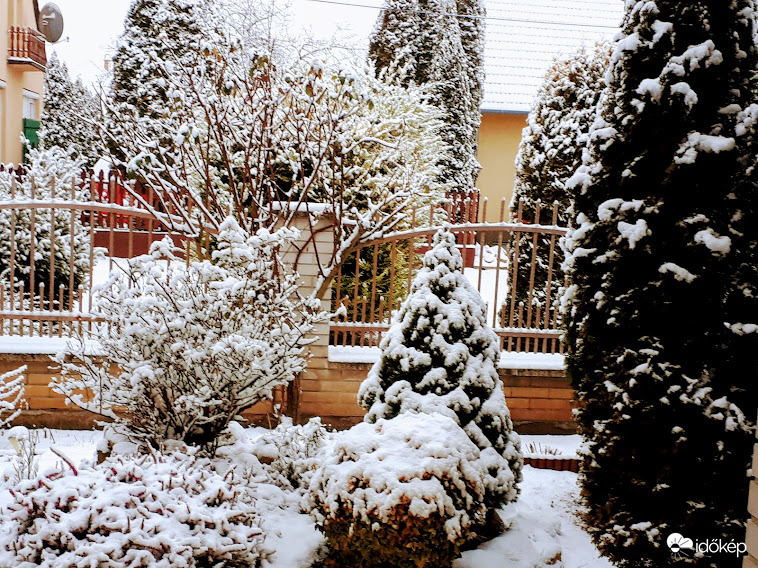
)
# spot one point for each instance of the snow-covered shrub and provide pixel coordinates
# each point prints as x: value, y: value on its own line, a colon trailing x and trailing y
x: 292, y: 449
x: 49, y: 173
x: 12, y: 392
x: 193, y: 345
x: 662, y: 303
x: 158, y: 511
x: 403, y: 492
x: 24, y: 442
x: 440, y: 356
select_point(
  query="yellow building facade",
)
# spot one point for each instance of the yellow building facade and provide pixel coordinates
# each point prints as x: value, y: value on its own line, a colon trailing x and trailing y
x: 499, y: 138
x: 522, y: 39
x: 22, y: 67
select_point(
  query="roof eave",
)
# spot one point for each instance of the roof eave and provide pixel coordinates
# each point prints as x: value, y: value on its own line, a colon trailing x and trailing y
x: 486, y: 110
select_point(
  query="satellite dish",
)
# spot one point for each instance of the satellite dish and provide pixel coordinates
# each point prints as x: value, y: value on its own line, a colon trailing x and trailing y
x: 50, y: 22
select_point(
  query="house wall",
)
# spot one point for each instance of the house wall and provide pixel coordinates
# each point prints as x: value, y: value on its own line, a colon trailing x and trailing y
x: 751, y: 538
x: 14, y: 79
x: 499, y: 138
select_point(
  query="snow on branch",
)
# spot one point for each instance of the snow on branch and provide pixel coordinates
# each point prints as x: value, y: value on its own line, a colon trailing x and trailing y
x: 233, y: 133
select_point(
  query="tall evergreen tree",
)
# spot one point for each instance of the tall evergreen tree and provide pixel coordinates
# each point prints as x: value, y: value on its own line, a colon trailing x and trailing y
x: 471, y: 23
x: 68, y: 106
x: 440, y: 356
x: 662, y: 308
x: 154, y: 31
x: 158, y: 35
x: 557, y: 130
x: 427, y: 41
x: 550, y: 152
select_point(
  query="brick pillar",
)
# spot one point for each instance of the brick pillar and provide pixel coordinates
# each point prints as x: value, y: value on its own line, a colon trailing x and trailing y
x: 751, y: 538
x: 303, y: 252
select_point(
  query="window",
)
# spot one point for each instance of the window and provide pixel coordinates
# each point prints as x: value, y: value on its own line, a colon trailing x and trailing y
x: 30, y: 122
x: 30, y: 106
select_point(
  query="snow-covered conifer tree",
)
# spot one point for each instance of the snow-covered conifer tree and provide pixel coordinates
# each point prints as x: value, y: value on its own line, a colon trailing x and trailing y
x: 440, y: 356
x: 424, y: 42
x: 557, y: 130
x: 49, y: 174
x: 471, y: 23
x: 550, y: 152
x: 662, y: 307
x: 154, y: 31
x: 67, y: 106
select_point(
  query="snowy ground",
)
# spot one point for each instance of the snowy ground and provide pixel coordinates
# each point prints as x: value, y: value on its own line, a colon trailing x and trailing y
x: 543, y: 523
x: 543, y: 528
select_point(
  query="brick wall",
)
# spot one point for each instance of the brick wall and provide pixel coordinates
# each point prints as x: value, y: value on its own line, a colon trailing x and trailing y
x: 48, y: 409
x: 306, y: 255
x: 45, y: 407
x: 751, y: 538
x: 540, y: 401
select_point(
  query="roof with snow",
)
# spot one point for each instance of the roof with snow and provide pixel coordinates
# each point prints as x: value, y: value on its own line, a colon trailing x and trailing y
x: 524, y: 36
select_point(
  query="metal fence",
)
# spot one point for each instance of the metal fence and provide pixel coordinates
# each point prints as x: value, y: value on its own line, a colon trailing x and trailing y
x: 55, y: 241
x: 514, y: 265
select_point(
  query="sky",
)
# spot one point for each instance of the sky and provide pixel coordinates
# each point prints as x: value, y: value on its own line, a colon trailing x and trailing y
x: 91, y: 27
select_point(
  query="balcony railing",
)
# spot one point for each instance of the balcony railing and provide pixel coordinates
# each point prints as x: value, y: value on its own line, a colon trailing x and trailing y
x: 26, y: 47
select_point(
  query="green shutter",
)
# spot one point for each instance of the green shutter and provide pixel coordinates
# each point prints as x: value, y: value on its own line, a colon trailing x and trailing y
x: 30, y: 133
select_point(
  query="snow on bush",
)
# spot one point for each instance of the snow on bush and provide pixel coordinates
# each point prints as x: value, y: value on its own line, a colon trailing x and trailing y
x: 195, y: 344
x: 157, y: 511
x: 48, y: 174
x: 403, y: 492
x: 11, y: 395
x: 291, y: 450
x: 440, y: 356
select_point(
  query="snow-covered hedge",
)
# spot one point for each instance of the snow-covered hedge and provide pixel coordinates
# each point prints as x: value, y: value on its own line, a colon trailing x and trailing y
x: 193, y: 345
x: 403, y: 492
x: 156, y: 511
x: 291, y: 450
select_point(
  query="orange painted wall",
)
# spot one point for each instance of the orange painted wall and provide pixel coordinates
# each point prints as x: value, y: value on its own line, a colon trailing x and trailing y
x: 14, y: 79
x: 499, y: 137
